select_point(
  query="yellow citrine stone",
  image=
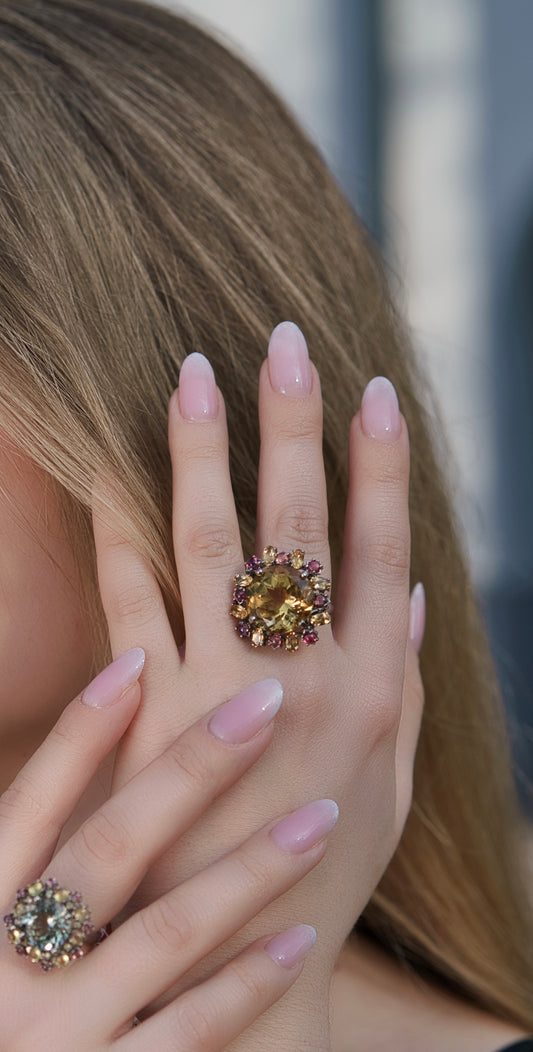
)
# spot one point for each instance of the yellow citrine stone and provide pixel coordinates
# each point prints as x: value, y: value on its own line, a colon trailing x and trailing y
x: 280, y: 599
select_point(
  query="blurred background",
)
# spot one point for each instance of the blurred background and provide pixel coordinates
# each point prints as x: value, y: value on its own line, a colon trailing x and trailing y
x: 423, y: 110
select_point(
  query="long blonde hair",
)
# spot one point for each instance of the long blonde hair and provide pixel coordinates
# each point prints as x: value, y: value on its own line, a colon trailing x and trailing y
x: 156, y: 198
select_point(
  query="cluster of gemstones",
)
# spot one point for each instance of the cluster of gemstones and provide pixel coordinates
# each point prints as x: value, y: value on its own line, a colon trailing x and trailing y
x: 48, y: 924
x: 280, y: 600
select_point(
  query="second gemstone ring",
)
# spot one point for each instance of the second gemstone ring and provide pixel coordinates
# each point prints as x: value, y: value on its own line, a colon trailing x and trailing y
x: 280, y: 600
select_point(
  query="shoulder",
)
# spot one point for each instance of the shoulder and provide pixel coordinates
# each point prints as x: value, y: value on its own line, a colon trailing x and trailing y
x: 376, y: 1006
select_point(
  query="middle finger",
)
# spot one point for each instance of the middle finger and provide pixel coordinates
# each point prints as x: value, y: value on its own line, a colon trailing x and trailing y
x: 292, y: 499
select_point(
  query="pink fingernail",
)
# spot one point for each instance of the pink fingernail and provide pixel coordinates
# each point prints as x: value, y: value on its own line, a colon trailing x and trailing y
x: 417, y: 615
x: 247, y: 713
x: 109, y: 685
x: 380, y: 412
x: 292, y: 945
x: 305, y: 827
x: 197, y: 390
x: 288, y: 361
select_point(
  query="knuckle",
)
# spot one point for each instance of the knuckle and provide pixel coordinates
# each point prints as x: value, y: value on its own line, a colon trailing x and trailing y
x: 252, y: 872
x: 211, y: 453
x: 23, y: 799
x: 196, y: 1024
x: 295, y: 428
x: 191, y: 764
x: 169, y: 926
x: 384, y: 709
x: 387, y: 553
x: 253, y: 985
x: 213, y: 542
x: 135, y: 603
x: 306, y: 523
x: 101, y: 839
x: 390, y: 467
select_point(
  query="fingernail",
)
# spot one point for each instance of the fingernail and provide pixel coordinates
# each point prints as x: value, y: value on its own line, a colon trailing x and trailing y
x: 417, y: 615
x: 246, y: 714
x: 109, y: 685
x: 288, y: 361
x: 305, y: 827
x: 197, y: 390
x: 292, y: 945
x: 380, y: 412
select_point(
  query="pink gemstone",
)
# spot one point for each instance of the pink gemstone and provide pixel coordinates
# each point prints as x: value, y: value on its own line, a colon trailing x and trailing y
x: 243, y: 629
x: 275, y: 640
x: 240, y: 595
x: 314, y: 566
x: 282, y: 558
x: 321, y: 600
x: 309, y: 638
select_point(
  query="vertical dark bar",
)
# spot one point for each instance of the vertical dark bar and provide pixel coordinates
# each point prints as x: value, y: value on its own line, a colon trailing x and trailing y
x: 361, y: 93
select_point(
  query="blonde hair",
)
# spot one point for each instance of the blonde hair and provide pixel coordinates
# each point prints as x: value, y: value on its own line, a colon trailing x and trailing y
x: 157, y: 199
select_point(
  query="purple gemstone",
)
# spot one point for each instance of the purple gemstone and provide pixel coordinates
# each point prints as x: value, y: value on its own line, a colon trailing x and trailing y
x: 314, y: 566
x: 309, y: 638
x: 282, y: 558
x: 243, y: 629
x: 274, y: 640
x: 240, y: 595
x: 253, y: 564
x: 321, y: 600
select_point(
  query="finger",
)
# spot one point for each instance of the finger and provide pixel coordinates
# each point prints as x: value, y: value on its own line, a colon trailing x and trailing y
x: 135, y: 613
x: 412, y: 708
x: 292, y: 500
x: 207, y: 544
x: 42, y: 797
x: 209, y: 1016
x: 159, y: 944
x: 372, y: 598
x: 108, y: 856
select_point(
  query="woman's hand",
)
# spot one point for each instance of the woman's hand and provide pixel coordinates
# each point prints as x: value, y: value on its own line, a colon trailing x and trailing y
x: 89, y: 1005
x: 353, y: 701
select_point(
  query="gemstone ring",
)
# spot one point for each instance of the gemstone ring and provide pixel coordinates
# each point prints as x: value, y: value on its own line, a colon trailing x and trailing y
x: 281, y: 599
x: 49, y: 924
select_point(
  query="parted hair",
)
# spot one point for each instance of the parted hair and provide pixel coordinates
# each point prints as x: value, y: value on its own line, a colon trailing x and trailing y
x: 157, y: 198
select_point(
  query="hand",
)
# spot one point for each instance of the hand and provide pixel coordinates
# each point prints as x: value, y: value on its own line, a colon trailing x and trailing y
x: 353, y: 702
x: 89, y: 1005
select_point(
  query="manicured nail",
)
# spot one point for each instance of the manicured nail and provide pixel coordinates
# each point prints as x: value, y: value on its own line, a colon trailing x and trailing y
x: 246, y: 714
x: 380, y: 412
x: 292, y: 945
x: 305, y: 827
x: 109, y: 685
x: 417, y: 615
x: 197, y: 390
x: 288, y: 361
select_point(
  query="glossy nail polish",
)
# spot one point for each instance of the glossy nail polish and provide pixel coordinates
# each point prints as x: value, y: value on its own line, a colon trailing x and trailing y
x: 417, y: 615
x: 288, y: 361
x: 197, y: 391
x: 243, y: 716
x: 109, y: 685
x: 291, y: 946
x: 380, y: 412
x: 305, y: 827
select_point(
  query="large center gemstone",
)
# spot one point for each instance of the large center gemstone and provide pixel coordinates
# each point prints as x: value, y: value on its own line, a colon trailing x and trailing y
x: 280, y: 599
x: 48, y: 926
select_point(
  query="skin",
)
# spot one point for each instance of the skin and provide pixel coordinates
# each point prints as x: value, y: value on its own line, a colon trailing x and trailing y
x: 355, y: 744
